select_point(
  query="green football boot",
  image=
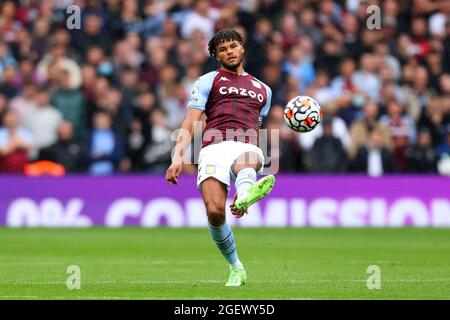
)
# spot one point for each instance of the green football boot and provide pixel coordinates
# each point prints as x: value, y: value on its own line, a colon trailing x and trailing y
x: 255, y: 193
x: 237, y: 278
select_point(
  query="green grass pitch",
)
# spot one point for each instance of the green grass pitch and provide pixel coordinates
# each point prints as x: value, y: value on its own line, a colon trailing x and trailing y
x: 135, y: 263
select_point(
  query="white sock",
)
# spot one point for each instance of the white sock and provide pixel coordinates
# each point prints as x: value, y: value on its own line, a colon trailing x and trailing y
x: 245, y: 179
x: 238, y: 264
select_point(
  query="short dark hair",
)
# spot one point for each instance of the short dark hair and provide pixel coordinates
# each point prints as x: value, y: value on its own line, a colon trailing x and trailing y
x: 222, y: 36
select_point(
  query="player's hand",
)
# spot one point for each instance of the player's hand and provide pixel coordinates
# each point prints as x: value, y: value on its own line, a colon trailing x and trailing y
x: 173, y: 172
x: 238, y: 213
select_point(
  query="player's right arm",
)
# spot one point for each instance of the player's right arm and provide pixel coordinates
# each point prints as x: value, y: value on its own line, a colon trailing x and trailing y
x: 195, y: 108
x: 184, y: 139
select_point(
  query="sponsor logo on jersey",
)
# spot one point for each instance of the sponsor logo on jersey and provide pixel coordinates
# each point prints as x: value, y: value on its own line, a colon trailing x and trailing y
x: 224, y: 79
x: 210, y: 169
x: 256, y: 84
x: 242, y: 92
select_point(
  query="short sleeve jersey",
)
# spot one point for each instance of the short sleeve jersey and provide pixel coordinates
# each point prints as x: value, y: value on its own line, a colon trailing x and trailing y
x: 233, y: 104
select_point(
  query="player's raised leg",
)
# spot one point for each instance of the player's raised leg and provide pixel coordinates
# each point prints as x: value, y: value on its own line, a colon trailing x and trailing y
x: 214, y: 195
x: 248, y: 190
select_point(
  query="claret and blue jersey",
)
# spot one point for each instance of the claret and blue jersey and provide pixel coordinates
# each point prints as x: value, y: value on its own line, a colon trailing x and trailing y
x: 230, y: 101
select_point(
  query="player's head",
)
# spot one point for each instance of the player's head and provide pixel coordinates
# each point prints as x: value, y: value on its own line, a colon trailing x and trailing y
x: 227, y: 47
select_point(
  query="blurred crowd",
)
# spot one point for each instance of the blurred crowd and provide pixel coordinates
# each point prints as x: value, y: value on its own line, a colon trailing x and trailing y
x: 106, y: 98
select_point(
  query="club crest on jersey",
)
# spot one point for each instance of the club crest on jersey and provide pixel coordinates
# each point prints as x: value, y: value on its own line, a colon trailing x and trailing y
x: 242, y: 92
x: 256, y: 84
x: 210, y: 169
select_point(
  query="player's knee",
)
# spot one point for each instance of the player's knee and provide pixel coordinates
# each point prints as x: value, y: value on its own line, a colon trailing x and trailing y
x: 215, y: 208
x: 247, y: 160
x: 216, y: 213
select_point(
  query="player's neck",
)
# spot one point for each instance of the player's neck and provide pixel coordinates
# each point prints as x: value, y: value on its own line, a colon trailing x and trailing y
x: 238, y: 71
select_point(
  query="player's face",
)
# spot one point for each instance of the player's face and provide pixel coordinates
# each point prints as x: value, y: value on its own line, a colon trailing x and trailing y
x: 230, y: 54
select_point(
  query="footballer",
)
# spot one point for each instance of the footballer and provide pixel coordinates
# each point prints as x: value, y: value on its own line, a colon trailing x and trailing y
x: 234, y: 103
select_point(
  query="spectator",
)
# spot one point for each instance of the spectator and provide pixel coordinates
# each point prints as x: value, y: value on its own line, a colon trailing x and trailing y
x: 437, y: 21
x: 136, y: 143
x: 330, y: 56
x: 390, y: 90
x: 7, y: 85
x: 93, y: 34
x: 66, y: 151
x: 275, y: 78
x: 328, y: 154
x: 23, y: 46
x: 58, y: 60
x: 299, y: 66
x: 289, y: 32
x: 257, y: 42
x: 157, y: 154
x: 433, y: 119
x: 131, y: 21
x: 10, y: 26
x: 348, y: 98
x: 435, y: 68
x: 420, y: 37
x: 15, y: 142
x: 129, y: 82
x: 329, y: 13
x: 146, y: 103
x: 155, y: 13
x: 113, y: 19
x: 193, y: 72
x: 383, y: 54
x: 27, y: 73
x: 402, y: 130
x: 322, y: 91
x: 366, y: 80
x: 418, y: 94
x: 25, y: 102
x: 422, y: 156
x: 104, y: 148
x: 373, y: 158
x: 172, y: 96
x: 308, y: 27
x: 6, y: 58
x: 202, y: 18
x: 43, y: 122
x: 89, y: 76
x: 360, y: 130
x: 339, y: 130
x: 71, y: 103
x: 41, y: 30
